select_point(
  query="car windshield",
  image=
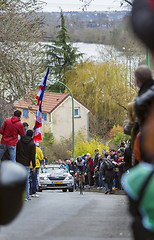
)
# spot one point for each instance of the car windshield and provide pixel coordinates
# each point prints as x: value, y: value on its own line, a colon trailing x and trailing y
x: 53, y: 170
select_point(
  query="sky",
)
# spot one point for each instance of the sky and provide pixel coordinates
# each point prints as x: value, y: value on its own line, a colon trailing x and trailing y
x: 76, y: 5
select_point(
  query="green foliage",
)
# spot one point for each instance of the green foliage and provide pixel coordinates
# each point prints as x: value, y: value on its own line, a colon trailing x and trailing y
x: 116, y: 134
x: 105, y: 89
x: 61, y: 56
x: 48, y: 138
x: 82, y: 147
x: 46, y: 143
x: 55, y: 87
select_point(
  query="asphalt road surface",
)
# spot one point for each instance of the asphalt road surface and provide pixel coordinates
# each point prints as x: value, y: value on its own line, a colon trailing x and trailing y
x: 70, y: 216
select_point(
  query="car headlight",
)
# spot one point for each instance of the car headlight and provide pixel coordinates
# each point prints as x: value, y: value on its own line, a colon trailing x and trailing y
x: 68, y: 178
x: 43, y: 178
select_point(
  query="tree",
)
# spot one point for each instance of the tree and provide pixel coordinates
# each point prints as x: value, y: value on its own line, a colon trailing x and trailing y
x: 105, y: 89
x: 130, y: 2
x: 20, y: 64
x: 86, y: 3
x: 61, y: 56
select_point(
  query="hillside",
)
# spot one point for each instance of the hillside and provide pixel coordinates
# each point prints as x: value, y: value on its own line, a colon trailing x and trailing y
x: 83, y: 26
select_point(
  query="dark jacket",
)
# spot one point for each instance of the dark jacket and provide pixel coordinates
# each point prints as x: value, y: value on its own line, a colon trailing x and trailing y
x: 26, y: 150
x: 105, y: 171
x: 95, y: 161
x: 145, y: 87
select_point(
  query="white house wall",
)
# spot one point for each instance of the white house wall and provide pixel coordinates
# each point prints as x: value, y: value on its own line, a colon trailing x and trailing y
x: 62, y: 120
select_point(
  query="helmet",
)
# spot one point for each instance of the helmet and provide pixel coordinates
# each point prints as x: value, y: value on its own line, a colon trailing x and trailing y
x: 79, y: 159
x: 12, y: 190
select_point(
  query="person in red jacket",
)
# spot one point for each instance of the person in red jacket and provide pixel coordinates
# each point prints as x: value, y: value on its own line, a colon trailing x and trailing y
x: 10, y: 130
x: 90, y: 170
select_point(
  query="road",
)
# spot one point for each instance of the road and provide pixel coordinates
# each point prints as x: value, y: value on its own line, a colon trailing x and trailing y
x: 70, y: 216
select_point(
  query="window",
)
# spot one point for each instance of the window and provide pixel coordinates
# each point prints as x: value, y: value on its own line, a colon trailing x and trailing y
x: 77, y: 112
x: 44, y: 116
x: 25, y: 113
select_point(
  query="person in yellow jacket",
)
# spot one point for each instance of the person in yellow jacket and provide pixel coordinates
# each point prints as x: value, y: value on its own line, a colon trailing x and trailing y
x: 38, y: 158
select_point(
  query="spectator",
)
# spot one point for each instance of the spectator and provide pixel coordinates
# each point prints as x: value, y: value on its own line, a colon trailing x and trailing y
x: 100, y: 159
x: 60, y: 161
x: 128, y: 156
x: 90, y: 170
x: 86, y: 162
x: 38, y: 158
x: 123, y: 143
x: 67, y: 163
x: 140, y: 193
x: 108, y: 174
x: 96, y: 177
x: 10, y: 130
x: 103, y: 152
x: 121, y: 165
x: 71, y: 167
x: 113, y: 158
x: 45, y: 159
x: 116, y: 171
x: 95, y: 158
x: 143, y: 79
x: 25, y: 124
x: 25, y: 153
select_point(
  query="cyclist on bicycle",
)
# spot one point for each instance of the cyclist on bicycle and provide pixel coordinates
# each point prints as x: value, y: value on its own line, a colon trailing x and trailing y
x: 80, y: 168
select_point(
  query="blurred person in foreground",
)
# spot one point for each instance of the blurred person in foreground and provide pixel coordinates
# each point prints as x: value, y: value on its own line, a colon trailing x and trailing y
x: 139, y: 183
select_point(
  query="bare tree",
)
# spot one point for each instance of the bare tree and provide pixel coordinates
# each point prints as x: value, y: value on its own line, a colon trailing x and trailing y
x: 20, y: 48
x: 86, y: 3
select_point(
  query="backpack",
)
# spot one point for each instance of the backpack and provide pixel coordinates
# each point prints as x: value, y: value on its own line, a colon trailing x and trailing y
x: 109, y: 165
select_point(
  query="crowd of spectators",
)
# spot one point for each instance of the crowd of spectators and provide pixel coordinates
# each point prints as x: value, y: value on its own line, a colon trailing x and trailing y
x: 104, y: 170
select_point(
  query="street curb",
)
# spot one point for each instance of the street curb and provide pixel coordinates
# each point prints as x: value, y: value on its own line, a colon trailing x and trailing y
x: 116, y: 192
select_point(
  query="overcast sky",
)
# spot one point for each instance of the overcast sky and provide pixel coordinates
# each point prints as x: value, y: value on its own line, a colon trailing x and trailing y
x: 76, y: 5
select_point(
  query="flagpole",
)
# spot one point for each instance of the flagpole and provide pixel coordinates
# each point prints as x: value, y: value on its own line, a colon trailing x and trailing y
x: 73, y: 141
x: 39, y: 97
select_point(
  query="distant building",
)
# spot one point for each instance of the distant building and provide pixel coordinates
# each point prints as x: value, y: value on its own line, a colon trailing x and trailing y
x: 56, y: 114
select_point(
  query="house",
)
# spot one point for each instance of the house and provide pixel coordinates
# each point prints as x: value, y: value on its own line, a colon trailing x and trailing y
x: 56, y: 114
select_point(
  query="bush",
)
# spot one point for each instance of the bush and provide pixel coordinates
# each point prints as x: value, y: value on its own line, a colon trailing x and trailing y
x: 63, y: 149
x: 116, y: 134
x: 57, y: 150
x: 82, y: 147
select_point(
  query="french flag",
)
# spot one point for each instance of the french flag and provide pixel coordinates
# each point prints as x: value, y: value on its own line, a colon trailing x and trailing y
x: 42, y: 85
x: 38, y: 122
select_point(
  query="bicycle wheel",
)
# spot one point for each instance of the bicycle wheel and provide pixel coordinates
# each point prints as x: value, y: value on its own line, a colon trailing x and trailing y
x: 81, y: 185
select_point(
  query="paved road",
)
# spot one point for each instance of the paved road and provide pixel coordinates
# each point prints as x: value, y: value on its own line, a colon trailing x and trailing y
x: 70, y: 216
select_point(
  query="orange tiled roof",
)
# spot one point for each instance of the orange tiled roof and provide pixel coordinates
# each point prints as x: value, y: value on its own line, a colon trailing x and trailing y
x: 50, y: 101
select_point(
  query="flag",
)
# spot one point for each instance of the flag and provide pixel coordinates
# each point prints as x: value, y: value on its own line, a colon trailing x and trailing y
x: 39, y: 97
x: 42, y: 85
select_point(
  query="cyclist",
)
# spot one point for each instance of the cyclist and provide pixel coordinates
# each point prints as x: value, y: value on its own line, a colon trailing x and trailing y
x: 80, y: 168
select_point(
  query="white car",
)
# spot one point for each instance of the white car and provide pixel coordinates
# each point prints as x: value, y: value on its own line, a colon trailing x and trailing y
x: 55, y: 177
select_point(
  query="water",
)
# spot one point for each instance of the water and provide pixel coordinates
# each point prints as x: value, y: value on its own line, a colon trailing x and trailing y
x: 101, y: 53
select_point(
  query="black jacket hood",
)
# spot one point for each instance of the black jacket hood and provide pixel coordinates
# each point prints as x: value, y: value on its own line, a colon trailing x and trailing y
x: 26, y: 139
